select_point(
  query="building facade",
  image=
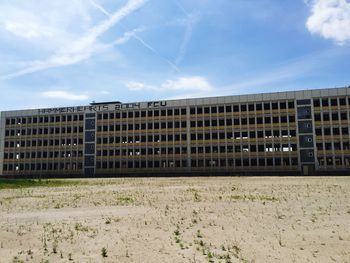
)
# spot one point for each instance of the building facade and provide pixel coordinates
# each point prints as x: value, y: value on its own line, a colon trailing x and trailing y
x: 299, y: 132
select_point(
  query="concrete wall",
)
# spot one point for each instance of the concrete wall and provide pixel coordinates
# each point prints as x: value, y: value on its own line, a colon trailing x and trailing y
x: 289, y: 95
x: 2, y: 140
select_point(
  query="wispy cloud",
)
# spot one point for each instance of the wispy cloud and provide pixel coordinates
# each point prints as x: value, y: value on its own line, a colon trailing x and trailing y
x: 65, y: 95
x: 28, y: 30
x: 252, y: 82
x: 47, y: 25
x: 190, y: 83
x: 84, y: 47
x: 330, y: 19
x: 286, y: 71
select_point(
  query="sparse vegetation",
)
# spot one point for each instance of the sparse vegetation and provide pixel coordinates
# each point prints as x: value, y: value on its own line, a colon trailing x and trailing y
x: 27, y: 183
x: 185, y: 219
x: 104, y: 252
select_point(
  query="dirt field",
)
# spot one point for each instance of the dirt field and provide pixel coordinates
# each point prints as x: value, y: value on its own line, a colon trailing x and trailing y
x: 267, y: 219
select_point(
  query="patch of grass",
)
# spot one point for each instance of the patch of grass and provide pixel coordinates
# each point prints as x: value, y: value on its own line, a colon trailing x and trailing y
x: 17, y: 260
x: 26, y: 183
x: 199, y: 234
x: 177, y: 231
x: 210, y: 256
x: 80, y: 227
x: 125, y: 200
x: 104, y: 252
x: 253, y: 198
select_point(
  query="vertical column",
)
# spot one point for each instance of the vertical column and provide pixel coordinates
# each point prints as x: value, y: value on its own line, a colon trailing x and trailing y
x: 188, y: 134
x: 306, y: 136
x: 90, y: 144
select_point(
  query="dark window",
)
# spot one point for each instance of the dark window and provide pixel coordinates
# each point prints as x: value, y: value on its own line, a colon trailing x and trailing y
x: 334, y: 102
x: 316, y: 102
x: 336, y: 131
x: 325, y: 102
x: 342, y: 101
x: 335, y: 116
x: 325, y: 116
x: 343, y: 116
x: 317, y: 117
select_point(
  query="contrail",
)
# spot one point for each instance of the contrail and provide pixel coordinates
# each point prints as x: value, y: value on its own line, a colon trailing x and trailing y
x: 155, y: 52
x: 100, y: 8
x: 84, y: 47
x: 191, y: 21
x: 138, y: 38
x: 181, y: 7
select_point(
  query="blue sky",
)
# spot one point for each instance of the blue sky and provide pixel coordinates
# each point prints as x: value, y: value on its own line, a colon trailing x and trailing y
x: 71, y: 52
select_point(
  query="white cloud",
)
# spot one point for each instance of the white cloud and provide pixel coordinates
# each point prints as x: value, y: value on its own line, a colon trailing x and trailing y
x: 187, y: 83
x: 192, y: 83
x: 65, y: 95
x: 330, y: 19
x: 82, y: 47
x: 28, y: 30
x: 139, y: 86
x: 47, y: 25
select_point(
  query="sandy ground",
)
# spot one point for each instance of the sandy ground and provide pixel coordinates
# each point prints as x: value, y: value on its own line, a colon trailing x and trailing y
x: 233, y: 219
